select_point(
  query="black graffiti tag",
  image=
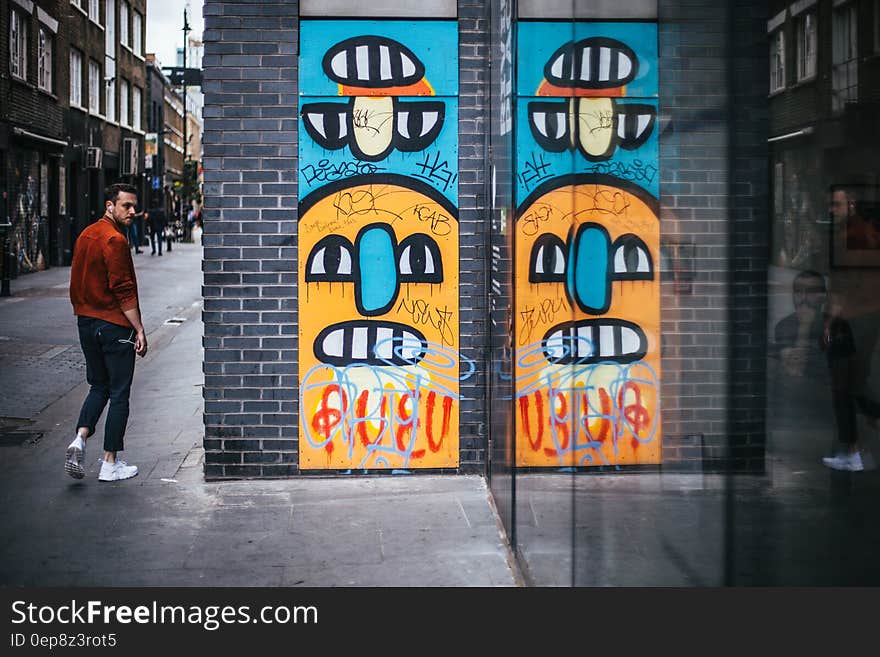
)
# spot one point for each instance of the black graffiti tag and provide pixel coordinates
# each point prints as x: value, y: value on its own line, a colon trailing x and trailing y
x: 327, y: 171
x: 533, y: 317
x: 636, y: 170
x: 536, y: 170
x: 436, y: 171
x: 422, y: 314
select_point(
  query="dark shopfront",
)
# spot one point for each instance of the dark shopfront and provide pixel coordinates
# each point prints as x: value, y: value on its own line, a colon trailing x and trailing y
x: 93, y: 162
x: 641, y: 226
x: 29, y: 192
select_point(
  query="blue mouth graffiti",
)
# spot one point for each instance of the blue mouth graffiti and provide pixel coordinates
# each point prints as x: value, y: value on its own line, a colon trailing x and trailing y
x: 370, y: 342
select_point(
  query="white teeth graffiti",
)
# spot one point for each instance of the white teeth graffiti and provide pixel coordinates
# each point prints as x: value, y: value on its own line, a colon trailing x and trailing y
x: 593, y: 340
x: 371, y: 343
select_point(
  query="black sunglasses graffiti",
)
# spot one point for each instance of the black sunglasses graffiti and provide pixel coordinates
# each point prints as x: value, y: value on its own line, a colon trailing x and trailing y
x: 372, y: 127
x: 595, y: 126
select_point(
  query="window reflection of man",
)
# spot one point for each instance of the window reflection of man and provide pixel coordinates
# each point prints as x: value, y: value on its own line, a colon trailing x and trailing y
x: 798, y: 335
x: 860, y: 233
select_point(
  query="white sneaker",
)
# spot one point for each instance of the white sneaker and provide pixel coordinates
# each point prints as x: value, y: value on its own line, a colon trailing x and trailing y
x: 73, y: 462
x: 116, y: 471
x: 849, y: 462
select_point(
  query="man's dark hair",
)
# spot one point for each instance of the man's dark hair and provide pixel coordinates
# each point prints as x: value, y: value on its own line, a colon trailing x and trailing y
x: 112, y: 192
x: 809, y: 274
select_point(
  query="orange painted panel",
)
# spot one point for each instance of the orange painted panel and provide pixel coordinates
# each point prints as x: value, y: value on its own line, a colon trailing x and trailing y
x: 378, y: 331
x: 588, y: 325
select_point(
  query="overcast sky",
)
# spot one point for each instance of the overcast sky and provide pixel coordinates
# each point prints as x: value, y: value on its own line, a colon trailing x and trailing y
x: 165, y: 26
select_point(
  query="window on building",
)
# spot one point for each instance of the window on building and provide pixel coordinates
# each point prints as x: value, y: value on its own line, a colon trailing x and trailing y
x: 844, y: 57
x: 136, y: 99
x: 94, y: 87
x: 137, y: 26
x: 777, y: 61
x: 95, y: 11
x: 110, y: 102
x: 110, y: 28
x: 75, y: 78
x: 806, y: 46
x: 110, y: 58
x: 18, y: 44
x: 44, y: 60
x: 123, y: 102
x: 123, y: 25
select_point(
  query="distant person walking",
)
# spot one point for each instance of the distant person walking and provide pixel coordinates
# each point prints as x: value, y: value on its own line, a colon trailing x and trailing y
x: 133, y: 232
x: 157, y: 229
x: 104, y: 294
x: 849, y: 389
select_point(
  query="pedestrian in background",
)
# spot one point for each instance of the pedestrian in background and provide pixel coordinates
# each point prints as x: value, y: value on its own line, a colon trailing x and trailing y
x: 157, y: 229
x: 104, y: 294
x: 135, y: 232
x: 849, y: 385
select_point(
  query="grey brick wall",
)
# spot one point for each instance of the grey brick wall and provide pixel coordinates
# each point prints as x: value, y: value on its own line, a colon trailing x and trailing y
x: 250, y: 314
x: 473, y: 216
x: 250, y: 85
x: 713, y: 226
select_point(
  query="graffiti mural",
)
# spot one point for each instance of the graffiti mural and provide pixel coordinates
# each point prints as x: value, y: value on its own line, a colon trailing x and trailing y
x: 588, y: 246
x: 378, y: 246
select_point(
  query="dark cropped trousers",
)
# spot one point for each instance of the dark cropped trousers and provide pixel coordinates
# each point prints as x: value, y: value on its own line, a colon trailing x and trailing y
x: 109, y: 352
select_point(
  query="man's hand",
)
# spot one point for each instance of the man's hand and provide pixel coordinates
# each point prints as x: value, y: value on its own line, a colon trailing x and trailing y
x: 794, y: 360
x: 140, y: 344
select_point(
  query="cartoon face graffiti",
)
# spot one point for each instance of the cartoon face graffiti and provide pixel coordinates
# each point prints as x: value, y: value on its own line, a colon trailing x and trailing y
x: 373, y: 72
x: 378, y: 326
x: 587, y: 303
x: 587, y: 312
x: 590, y: 74
x: 378, y: 252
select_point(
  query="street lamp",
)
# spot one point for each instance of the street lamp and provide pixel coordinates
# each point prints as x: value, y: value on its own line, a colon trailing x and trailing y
x: 183, y: 201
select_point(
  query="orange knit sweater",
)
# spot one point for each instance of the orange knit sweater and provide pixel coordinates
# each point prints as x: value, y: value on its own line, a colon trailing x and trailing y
x: 102, y: 279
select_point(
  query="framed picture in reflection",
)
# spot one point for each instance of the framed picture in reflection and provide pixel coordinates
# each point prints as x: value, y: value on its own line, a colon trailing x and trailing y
x: 855, y: 225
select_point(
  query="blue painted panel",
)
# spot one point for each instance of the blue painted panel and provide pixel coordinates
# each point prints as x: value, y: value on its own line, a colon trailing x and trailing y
x: 378, y: 270
x: 588, y: 277
x: 535, y: 164
x: 436, y: 164
x: 539, y: 42
x: 434, y: 45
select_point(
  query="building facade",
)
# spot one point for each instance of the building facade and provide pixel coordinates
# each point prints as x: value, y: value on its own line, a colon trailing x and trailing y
x: 106, y: 101
x: 544, y: 241
x: 33, y: 138
x: 74, y: 75
x: 252, y: 98
x: 165, y: 136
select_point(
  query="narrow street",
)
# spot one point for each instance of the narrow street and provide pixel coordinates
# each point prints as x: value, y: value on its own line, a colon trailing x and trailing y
x: 168, y: 526
x: 40, y: 357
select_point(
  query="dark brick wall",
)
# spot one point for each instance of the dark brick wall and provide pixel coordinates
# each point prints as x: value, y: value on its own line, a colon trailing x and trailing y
x: 473, y: 55
x: 714, y: 230
x: 24, y: 104
x: 250, y: 86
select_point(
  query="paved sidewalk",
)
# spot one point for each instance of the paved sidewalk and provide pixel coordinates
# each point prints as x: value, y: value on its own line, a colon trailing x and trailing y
x: 168, y: 527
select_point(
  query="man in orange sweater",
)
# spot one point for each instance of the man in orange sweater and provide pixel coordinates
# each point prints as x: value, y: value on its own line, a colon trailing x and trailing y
x: 104, y: 294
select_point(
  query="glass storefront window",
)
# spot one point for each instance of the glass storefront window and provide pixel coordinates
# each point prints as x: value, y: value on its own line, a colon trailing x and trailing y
x: 759, y: 145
